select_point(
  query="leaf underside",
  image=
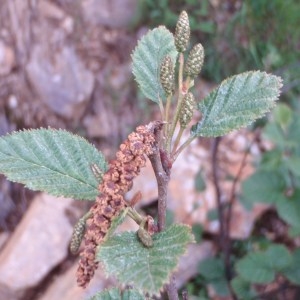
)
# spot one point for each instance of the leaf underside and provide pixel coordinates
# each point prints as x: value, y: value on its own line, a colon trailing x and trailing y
x: 148, y: 269
x: 237, y: 102
x: 53, y: 161
x: 147, y: 57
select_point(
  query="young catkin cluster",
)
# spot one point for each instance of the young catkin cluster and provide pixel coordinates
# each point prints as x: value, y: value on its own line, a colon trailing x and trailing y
x: 116, y: 182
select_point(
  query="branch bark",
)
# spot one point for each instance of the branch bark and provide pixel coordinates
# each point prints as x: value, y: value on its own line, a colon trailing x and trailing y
x: 162, y: 174
x: 161, y: 167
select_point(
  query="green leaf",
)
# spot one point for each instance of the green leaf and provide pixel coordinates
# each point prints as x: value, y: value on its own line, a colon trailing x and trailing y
x: 54, y: 161
x: 125, y: 257
x: 271, y: 160
x: 197, y: 230
x: 294, y: 232
x: 274, y: 133
x: 242, y: 288
x: 293, y: 271
x: 220, y: 286
x: 237, y: 102
x: 278, y: 257
x: 289, y: 209
x: 264, y: 187
x: 147, y: 57
x: 254, y: 268
x: 212, y: 269
x: 116, y: 294
x: 282, y: 115
x: 260, y: 267
x: 293, y: 163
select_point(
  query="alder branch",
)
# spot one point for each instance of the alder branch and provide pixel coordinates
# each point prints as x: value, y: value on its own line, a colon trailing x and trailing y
x: 172, y: 290
x: 162, y: 175
x: 161, y: 169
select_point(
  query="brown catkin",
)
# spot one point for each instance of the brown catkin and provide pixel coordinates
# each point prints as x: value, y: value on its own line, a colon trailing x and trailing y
x: 116, y: 182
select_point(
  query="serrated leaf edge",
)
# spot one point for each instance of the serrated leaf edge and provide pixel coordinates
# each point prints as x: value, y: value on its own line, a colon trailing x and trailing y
x: 55, y: 171
x: 263, y: 112
x: 192, y: 240
x: 140, y: 42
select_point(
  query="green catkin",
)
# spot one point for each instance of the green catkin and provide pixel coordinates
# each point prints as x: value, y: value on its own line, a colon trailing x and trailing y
x: 187, y: 110
x: 195, y: 61
x: 77, y: 236
x: 182, y: 32
x: 167, y: 75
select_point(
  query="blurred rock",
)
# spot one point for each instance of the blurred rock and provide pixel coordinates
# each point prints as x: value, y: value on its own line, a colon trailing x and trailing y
x: 7, y: 59
x: 3, y: 239
x: 39, y: 243
x: 60, y: 80
x: 111, y: 13
x: 50, y: 10
x: 65, y: 286
x: 146, y: 184
x: 113, y: 115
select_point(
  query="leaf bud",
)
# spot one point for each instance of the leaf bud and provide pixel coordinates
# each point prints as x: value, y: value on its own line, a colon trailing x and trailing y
x: 167, y: 75
x: 145, y: 237
x: 187, y: 110
x: 182, y: 32
x: 194, y: 61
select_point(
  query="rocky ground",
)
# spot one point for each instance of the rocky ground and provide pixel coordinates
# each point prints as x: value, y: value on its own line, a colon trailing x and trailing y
x: 66, y: 64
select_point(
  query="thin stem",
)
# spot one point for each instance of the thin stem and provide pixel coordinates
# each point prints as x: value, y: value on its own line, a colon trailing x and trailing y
x: 133, y: 214
x: 189, y: 82
x: 177, y: 140
x: 172, y: 290
x: 182, y: 147
x: 179, y: 100
x: 161, y: 107
x: 231, y: 202
x: 223, y: 246
x: 167, y: 115
x: 215, y: 146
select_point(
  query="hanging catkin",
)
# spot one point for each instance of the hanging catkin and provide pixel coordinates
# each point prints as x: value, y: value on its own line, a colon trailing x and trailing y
x: 116, y: 182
